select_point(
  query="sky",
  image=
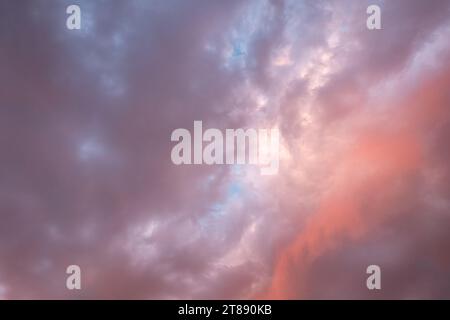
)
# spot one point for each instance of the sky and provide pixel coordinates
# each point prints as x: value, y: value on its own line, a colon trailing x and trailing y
x: 86, y: 176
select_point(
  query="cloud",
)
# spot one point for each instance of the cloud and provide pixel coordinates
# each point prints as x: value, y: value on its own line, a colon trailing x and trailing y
x: 85, y: 124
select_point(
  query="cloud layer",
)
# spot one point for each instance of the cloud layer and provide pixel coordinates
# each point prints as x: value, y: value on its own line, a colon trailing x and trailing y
x: 86, y: 176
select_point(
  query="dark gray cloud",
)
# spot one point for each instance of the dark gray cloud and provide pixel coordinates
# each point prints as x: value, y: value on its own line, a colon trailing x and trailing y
x: 85, y: 124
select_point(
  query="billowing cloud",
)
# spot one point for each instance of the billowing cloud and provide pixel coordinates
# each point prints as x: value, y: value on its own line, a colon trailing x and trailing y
x: 85, y: 123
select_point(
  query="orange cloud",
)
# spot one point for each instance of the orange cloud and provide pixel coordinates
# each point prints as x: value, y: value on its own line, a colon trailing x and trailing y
x: 371, y: 169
